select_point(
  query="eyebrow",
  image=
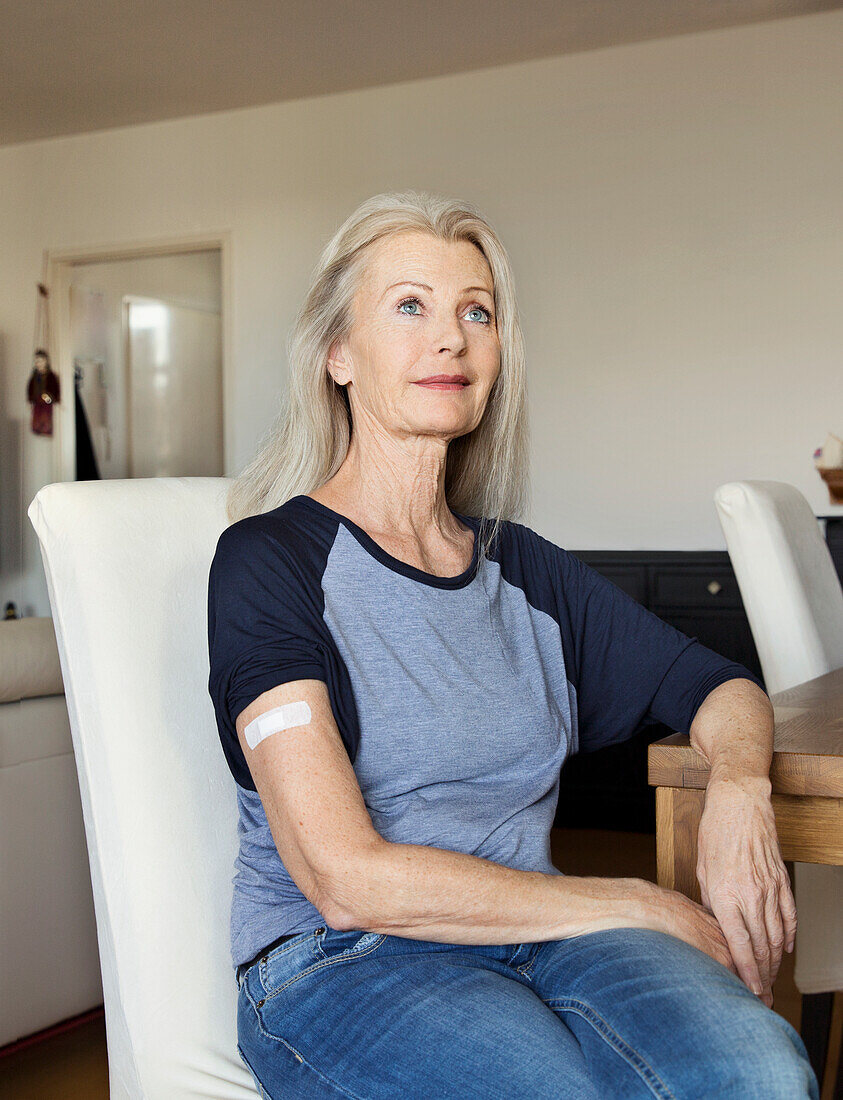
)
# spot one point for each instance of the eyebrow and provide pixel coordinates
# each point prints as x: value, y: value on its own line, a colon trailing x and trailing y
x: 424, y: 286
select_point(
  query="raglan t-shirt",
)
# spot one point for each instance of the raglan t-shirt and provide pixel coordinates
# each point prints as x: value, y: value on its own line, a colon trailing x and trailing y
x: 458, y: 699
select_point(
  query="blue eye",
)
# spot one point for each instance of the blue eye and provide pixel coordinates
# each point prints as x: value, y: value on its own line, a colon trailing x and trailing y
x: 474, y: 309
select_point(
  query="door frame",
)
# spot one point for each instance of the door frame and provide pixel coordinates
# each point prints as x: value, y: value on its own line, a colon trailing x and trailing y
x: 58, y: 266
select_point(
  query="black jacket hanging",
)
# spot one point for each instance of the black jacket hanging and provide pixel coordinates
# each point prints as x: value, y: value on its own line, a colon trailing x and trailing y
x: 86, y: 460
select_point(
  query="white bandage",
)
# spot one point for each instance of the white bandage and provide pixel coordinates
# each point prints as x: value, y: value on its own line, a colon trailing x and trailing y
x: 275, y: 720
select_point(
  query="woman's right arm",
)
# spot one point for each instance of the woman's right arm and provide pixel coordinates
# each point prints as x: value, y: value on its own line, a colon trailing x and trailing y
x: 358, y: 880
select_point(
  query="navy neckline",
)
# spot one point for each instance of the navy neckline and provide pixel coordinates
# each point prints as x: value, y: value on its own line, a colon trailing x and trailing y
x: 395, y: 564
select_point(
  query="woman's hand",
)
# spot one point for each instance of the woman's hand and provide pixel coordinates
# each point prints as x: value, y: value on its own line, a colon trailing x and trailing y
x: 743, y: 879
x: 675, y: 913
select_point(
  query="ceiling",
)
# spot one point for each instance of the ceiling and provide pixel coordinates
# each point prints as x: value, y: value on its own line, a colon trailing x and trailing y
x: 70, y: 66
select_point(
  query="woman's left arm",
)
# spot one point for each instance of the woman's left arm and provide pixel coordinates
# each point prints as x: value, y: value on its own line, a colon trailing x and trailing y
x: 742, y: 876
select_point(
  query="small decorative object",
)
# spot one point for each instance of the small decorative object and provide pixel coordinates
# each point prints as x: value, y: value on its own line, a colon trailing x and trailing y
x: 43, y: 389
x: 42, y: 392
x: 828, y: 459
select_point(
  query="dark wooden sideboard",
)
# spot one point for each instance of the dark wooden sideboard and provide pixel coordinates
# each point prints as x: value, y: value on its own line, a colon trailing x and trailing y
x: 697, y: 592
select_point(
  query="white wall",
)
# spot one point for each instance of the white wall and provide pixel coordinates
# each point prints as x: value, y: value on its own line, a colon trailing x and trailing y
x: 672, y: 208
x: 190, y: 279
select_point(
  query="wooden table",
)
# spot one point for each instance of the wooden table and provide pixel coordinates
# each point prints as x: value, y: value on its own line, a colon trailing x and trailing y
x: 806, y: 776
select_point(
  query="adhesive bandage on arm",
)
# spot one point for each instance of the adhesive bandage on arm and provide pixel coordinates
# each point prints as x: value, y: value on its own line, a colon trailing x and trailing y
x: 276, y: 720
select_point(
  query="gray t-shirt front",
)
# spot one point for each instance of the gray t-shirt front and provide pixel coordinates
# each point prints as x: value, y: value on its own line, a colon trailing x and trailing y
x: 457, y: 698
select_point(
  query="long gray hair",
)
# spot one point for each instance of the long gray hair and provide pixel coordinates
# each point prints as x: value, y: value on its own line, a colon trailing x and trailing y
x: 487, y: 472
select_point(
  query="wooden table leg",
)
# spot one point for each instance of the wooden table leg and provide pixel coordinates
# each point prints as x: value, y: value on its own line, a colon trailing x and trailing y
x: 678, y: 813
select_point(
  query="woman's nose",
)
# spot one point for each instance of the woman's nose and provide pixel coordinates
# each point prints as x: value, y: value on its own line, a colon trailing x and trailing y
x: 450, y: 335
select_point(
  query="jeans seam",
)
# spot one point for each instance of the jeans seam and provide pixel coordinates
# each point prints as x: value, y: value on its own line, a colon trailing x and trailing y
x: 524, y: 970
x: 261, y: 1086
x: 300, y: 1057
x: 628, y: 1053
x: 527, y: 966
x: 247, y: 993
x: 343, y: 956
x: 513, y: 954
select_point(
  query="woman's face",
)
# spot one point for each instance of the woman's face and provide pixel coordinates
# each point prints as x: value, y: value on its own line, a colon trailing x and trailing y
x: 402, y: 334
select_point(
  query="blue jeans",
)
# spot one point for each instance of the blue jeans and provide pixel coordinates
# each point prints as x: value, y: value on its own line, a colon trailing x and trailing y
x: 625, y: 1012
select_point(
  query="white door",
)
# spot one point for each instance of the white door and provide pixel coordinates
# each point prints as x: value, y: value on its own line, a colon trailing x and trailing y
x: 174, y: 383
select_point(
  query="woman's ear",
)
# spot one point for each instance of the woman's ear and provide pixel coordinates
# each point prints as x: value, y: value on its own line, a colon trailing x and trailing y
x: 338, y: 367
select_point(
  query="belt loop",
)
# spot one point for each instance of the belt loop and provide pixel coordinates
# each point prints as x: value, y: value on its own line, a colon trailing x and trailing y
x: 511, y: 961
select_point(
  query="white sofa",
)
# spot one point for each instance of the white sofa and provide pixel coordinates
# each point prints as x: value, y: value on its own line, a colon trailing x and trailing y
x: 49, y: 964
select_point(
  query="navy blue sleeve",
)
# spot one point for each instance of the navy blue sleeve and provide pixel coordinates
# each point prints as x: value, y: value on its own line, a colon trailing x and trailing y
x: 631, y: 668
x: 262, y: 629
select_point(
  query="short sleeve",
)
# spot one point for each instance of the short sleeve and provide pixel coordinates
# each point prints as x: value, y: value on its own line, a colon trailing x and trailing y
x: 633, y: 669
x: 263, y: 629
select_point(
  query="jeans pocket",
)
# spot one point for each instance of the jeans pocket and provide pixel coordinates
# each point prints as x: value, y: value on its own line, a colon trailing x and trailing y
x: 310, y: 956
x: 292, y: 980
x: 288, y: 961
x: 335, y: 946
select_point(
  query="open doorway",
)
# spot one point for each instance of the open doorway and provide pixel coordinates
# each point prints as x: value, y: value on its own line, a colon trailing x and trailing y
x: 141, y: 341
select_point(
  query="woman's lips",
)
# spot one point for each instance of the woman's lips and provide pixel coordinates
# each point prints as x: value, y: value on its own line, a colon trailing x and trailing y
x: 443, y: 384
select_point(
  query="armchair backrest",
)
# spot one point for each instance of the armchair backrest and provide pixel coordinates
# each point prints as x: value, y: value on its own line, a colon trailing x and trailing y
x: 127, y: 566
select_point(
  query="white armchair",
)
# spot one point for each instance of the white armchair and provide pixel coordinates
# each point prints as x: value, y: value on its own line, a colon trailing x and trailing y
x: 794, y: 603
x: 127, y: 569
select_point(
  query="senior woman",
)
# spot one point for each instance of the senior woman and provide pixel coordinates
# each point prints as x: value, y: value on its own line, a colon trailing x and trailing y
x: 399, y: 670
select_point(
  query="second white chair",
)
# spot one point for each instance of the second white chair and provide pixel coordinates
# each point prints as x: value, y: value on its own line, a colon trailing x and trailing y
x: 794, y: 602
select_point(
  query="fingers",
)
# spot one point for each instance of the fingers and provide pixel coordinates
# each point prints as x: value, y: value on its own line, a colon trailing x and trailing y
x: 775, y: 931
x: 788, y: 910
x: 740, y: 944
x: 755, y: 920
x: 724, y: 954
x: 780, y: 912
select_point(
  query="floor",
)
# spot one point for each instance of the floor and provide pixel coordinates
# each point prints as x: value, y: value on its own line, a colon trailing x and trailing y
x: 73, y: 1064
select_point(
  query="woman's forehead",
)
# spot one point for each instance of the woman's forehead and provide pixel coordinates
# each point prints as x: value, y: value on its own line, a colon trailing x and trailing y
x: 421, y: 257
